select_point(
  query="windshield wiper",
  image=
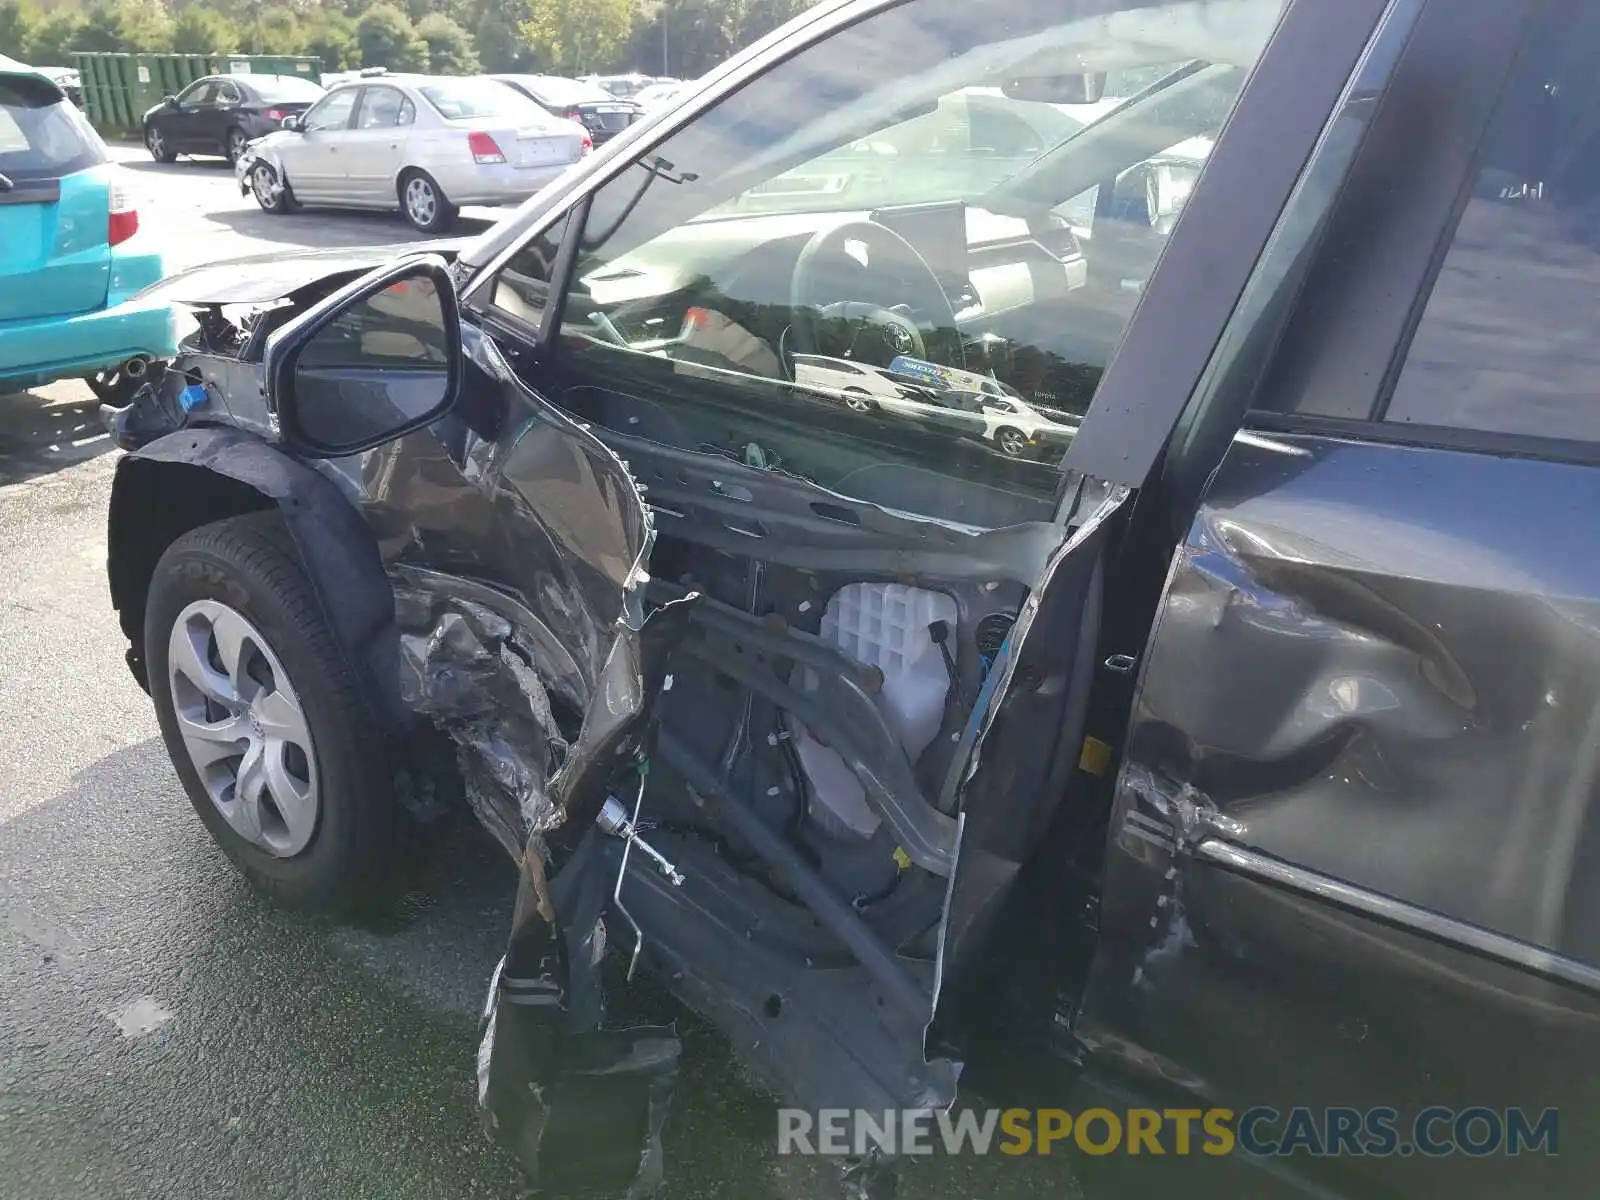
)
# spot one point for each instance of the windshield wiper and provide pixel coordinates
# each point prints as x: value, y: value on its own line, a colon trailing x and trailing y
x: 5, y: 183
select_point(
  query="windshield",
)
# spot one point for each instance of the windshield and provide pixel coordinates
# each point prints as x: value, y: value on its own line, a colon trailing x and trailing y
x: 473, y: 99
x: 42, y: 136
x: 624, y: 86
x: 287, y: 89
x: 565, y: 91
x: 962, y: 146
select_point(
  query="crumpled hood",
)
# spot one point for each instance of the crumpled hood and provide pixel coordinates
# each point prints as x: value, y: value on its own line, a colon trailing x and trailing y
x: 264, y: 278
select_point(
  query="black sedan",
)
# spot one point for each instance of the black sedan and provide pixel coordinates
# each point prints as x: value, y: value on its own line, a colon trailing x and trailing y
x: 221, y: 113
x: 596, y: 109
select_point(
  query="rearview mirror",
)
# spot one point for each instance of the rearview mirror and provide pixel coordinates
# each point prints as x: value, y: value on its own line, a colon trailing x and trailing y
x: 376, y: 360
x: 1081, y: 87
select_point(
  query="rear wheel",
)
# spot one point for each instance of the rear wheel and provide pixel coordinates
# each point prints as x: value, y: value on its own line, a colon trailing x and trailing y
x: 233, y: 147
x: 263, y: 721
x: 156, y: 142
x: 424, y: 204
x: 1013, y: 443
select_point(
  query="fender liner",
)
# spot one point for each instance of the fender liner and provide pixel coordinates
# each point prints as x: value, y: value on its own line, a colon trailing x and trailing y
x: 195, y: 476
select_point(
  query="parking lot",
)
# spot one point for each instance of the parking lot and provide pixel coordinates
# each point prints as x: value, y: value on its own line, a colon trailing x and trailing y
x: 168, y: 1033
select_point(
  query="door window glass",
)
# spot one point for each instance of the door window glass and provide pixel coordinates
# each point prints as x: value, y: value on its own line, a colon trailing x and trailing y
x: 408, y: 112
x: 1508, y: 342
x: 201, y: 93
x: 333, y: 112
x: 42, y: 137
x: 380, y: 109
x: 227, y: 93
x: 823, y: 263
x: 522, y: 289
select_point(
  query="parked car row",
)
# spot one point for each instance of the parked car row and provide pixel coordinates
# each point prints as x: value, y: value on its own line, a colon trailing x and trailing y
x: 422, y: 145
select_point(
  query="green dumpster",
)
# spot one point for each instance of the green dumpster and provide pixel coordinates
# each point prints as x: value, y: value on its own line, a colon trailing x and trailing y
x: 118, y: 89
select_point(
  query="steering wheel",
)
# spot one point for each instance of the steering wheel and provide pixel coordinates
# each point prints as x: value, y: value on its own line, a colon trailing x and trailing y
x: 901, y: 306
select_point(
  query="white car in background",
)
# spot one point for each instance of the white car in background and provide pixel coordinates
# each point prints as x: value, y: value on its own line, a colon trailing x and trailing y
x: 425, y: 145
x: 662, y: 95
x: 963, y: 402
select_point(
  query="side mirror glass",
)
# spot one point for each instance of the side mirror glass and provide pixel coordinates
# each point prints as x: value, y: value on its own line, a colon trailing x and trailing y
x: 1082, y: 87
x: 374, y: 361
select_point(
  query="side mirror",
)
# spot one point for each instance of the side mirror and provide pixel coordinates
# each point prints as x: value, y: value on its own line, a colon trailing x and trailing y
x: 294, y: 123
x: 169, y: 102
x: 377, y: 359
x: 1082, y: 87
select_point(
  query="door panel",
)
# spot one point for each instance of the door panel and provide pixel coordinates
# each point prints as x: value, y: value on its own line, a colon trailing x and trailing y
x: 313, y: 160
x: 213, y: 120
x: 182, y: 124
x: 1352, y: 856
x: 373, y: 148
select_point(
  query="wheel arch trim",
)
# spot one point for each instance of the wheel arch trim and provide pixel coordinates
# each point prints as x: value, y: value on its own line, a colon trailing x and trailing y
x: 196, y: 476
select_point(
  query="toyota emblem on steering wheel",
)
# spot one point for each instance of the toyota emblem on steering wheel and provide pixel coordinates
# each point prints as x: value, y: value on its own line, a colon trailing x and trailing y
x: 898, y: 338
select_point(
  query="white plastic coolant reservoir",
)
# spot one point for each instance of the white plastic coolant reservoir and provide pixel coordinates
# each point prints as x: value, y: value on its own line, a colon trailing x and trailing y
x: 884, y: 625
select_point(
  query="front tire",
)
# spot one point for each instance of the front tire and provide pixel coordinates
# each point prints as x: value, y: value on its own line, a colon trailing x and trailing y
x: 858, y: 400
x: 263, y: 721
x: 423, y: 203
x: 273, y: 197
x: 155, y: 142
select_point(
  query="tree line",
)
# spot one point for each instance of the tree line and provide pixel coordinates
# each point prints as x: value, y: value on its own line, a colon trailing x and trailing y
x: 682, y: 38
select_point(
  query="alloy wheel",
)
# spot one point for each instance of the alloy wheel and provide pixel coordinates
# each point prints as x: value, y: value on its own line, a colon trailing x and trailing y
x: 244, y: 728
x: 236, y: 142
x: 264, y: 184
x: 154, y: 143
x: 422, y: 202
x: 1012, y: 442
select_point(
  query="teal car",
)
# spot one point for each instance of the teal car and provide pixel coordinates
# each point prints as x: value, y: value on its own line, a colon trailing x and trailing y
x: 71, y: 259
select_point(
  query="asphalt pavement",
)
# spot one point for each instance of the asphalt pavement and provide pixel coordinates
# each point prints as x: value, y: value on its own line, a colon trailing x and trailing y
x: 166, y: 1032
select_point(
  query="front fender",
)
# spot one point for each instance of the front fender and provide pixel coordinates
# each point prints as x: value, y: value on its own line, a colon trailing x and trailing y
x: 195, y: 476
x: 258, y: 151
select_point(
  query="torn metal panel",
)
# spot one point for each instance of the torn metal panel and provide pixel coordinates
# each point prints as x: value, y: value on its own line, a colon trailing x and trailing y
x: 465, y: 667
x: 582, y: 1108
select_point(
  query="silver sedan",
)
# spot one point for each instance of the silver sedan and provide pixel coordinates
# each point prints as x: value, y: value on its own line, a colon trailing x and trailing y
x: 425, y: 145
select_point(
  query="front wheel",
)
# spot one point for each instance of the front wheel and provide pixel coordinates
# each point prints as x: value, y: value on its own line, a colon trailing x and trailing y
x: 263, y: 720
x: 424, y: 204
x: 857, y: 400
x: 156, y: 142
x: 272, y: 195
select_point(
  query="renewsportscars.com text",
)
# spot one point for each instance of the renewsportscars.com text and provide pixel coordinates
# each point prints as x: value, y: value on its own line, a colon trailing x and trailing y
x: 1434, y: 1132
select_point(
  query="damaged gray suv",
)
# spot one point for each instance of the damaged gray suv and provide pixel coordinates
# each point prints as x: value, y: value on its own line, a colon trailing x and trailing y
x: 1227, y: 744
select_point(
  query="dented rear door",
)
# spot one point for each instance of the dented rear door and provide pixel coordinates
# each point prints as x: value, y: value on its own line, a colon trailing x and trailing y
x: 1350, y: 885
